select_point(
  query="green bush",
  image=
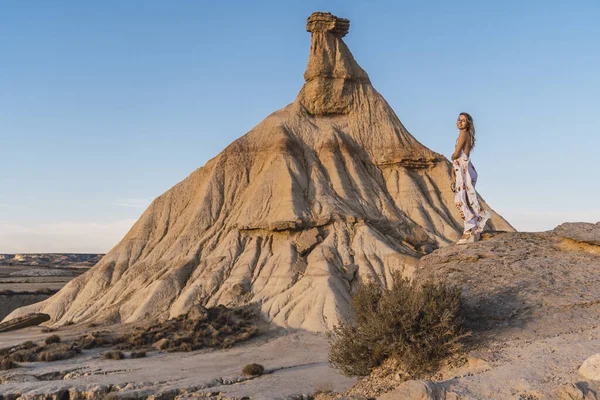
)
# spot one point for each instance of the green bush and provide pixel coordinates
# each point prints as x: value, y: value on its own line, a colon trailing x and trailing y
x: 418, y: 325
x: 253, y: 370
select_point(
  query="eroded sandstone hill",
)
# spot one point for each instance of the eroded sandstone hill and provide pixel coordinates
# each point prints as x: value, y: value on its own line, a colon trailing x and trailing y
x: 324, y: 193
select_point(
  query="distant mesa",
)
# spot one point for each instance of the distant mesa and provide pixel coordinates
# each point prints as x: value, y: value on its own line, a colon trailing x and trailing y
x: 329, y: 191
x: 50, y: 259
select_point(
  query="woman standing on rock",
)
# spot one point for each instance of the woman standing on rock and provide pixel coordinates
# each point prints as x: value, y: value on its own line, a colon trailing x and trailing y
x: 464, y: 177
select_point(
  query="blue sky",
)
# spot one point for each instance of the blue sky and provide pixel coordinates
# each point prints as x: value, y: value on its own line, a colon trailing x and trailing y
x: 104, y: 105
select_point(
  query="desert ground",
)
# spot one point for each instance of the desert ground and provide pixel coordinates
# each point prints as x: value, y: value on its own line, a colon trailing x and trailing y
x: 534, y: 318
x: 295, y: 365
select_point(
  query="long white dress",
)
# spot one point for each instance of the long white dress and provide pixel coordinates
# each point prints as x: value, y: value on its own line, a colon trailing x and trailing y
x: 465, y: 198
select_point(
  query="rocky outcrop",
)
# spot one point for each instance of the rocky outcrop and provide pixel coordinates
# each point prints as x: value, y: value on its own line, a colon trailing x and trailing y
x: 321, y: 195
x: 512, y: 279
x: 534, y: 312
x: 580, y: 231
x: 590, y: 369
x: 24, y: 322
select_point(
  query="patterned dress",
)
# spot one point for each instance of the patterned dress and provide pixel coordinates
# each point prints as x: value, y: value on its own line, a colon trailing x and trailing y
x: 465, y: 198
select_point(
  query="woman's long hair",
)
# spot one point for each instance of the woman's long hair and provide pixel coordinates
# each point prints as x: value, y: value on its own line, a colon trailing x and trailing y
x: 470, y: 128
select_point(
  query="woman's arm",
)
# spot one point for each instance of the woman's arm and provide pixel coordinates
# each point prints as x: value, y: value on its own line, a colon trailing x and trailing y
x: 460, y: 143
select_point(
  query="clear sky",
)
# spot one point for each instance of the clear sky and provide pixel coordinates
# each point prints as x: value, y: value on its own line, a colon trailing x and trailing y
x: 104, y: 105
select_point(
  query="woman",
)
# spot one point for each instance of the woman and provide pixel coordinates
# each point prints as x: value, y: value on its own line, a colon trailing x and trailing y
x: 464, y: 179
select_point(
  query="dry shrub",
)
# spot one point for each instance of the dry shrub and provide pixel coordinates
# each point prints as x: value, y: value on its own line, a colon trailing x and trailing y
x: 185, y: 347
x: 113, y: 355
x: 56, y: 351
x: 93, y: 340
x: 52, y: 339
x: 419, y: 325
x: 48, y: 330
x: 253, y: 370
x: 27, y: 345
x: 138, y: 354
x: 22, y: 356
x: 31, y: 352
x: 217, y: 327
x: 7, y: 364
x: 323, y: 388
x: 24, y: 352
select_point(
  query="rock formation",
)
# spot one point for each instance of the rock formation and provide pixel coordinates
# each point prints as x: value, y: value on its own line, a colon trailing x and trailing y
x: 534, y: 314
x: 23, y: 322
x: 326, y: 192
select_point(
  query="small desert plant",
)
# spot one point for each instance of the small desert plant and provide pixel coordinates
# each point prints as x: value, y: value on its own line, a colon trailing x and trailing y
x: 55, y: 355
x: 420, y: 325
x: 7, y: 364
x: 48, y: 330
x: 138, y: 354
x: 185, y: 347
x: 253, y: 370
x: 113, y: 355
x: 52, y: 339
x: 217, y: 327
x: 323, y: 388
x: 27, y: 345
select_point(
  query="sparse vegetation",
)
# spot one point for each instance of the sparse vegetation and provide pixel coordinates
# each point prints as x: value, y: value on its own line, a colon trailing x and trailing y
x: 138, y: 354
x: 31, y: 352
x: 253, y: 370
x: 48, y: 330
x: 7, y: 364
x: 323, y: 388
x: 57, y: 351
x: 217, y: 327
x: 185, y: 347
x: 113, y: 355
x: 28, y: 345
x: 52, y: 339
x: 418, y: 325
x: 93, y: 340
